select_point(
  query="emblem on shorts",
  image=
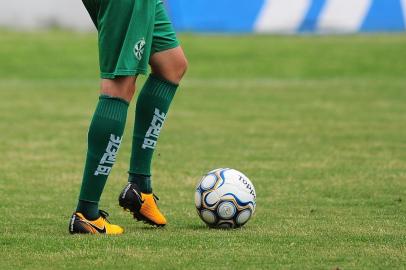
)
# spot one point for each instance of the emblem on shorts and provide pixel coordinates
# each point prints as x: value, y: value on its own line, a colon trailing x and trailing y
x: 139, y: 49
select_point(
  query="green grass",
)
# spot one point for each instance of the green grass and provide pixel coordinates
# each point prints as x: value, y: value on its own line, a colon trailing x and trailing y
x: 317, y: 123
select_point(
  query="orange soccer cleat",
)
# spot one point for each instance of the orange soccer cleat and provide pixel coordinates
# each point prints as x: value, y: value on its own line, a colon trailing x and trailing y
x: 143, y: 206
x: 79, y: 224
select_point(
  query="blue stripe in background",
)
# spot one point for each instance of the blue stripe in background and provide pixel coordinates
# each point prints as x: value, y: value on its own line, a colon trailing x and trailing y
x: 309, y: 23
x: 214, y: 16
x: 236, y: 16
x: 384, y: 15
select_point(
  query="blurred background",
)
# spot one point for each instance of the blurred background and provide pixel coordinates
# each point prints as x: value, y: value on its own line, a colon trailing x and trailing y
x: 261, y: 16
x: 306, y: 97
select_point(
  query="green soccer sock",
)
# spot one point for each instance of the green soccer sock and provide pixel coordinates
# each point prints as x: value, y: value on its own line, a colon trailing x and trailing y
x: 151, y: 111
x: 104, y: 139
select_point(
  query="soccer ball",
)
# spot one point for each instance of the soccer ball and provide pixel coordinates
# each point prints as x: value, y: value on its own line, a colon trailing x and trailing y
x: 225, y: 198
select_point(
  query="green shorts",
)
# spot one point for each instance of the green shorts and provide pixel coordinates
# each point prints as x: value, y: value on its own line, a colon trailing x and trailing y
x: 130, y: 31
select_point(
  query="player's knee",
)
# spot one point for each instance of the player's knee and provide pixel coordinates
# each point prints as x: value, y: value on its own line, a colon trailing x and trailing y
x: 173, y: 72
x: 183, y: 65
x: 122, y: 87
x: 179, y: 69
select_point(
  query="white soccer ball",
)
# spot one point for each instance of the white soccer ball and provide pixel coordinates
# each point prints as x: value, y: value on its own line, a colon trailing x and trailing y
x: 225, y: 198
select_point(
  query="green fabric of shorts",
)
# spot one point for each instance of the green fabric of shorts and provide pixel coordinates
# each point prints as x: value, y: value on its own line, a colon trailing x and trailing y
x: 129, y: 32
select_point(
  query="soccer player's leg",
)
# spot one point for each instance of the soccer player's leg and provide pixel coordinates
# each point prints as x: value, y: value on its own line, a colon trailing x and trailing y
x: 108, y: 122
x: 104, y: 139
x: 168, y: 64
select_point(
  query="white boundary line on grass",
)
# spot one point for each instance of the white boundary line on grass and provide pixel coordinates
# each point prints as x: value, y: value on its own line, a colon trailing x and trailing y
x: 207, y: 82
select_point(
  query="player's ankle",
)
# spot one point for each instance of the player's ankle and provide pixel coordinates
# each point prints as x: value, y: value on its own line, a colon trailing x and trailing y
x: 90, y: 210
x: 142, y: 181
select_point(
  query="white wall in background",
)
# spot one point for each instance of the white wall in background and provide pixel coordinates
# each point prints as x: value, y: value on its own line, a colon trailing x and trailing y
x: 30, y: 14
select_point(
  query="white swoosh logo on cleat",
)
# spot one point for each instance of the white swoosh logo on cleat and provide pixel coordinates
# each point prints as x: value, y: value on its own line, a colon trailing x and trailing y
x: 138, y: 195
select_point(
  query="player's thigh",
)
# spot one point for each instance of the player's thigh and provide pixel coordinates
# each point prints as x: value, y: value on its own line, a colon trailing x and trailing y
x: 125, y: 35
x: 167, y: 57
x: 164, y: 36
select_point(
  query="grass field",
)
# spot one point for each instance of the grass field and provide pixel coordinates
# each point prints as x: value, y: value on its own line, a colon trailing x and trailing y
x: 317, y: 123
